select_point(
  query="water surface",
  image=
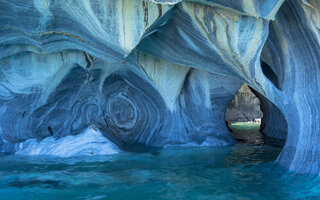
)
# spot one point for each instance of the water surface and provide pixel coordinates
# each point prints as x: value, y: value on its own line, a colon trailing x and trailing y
x: 239, y: 172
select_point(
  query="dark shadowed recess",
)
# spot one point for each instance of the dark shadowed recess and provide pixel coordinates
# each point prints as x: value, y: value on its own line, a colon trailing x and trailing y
x: 270, y: 74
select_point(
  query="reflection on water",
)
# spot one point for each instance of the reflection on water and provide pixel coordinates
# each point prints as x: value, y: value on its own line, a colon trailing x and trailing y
x: 235, y: 172
x: 247, y: 132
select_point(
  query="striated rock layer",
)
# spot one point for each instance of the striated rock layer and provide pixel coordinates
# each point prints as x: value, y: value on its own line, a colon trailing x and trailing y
x: 292, y: 51
x: 158, y: 72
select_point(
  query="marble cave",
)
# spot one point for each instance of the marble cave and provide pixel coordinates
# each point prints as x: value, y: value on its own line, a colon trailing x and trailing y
x: 96, y: 77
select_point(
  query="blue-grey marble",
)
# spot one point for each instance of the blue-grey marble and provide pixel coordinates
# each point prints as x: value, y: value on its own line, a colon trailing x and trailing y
x: 158, y: 72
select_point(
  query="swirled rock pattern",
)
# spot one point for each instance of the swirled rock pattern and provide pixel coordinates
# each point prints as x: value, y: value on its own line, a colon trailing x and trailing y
x: 133, y: 102
x: 159, y: 72
x: 292, y: 51
x: 107, y: 29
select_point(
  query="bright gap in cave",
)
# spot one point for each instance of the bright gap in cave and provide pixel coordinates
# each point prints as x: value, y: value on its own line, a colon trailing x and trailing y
x: 243, y: 116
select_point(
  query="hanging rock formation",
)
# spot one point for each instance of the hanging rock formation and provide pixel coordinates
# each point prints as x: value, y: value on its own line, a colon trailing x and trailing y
x: 159, y: 72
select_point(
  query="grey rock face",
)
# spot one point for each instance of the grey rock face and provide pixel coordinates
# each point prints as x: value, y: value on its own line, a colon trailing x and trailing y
x: 249, y: 105
x: 159, y: 72
x: 244, y: 107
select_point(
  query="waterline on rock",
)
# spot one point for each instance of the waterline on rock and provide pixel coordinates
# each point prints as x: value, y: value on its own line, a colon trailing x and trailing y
x: 90, y: 142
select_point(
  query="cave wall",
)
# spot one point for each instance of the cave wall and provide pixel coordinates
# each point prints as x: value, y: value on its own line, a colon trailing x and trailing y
x: 158, y: 72
x: 144, y: 100
x: 273, y: 124
x: 292, y: 51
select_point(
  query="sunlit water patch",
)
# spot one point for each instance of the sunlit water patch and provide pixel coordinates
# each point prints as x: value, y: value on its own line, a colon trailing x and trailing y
x: 235, y: 172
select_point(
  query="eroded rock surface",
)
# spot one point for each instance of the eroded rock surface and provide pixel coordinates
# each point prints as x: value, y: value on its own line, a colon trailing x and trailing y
x: 159, y: 72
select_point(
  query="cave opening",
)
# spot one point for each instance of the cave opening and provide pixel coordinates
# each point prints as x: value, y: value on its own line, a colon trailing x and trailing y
x: 252, y: 118
x: 243, y: 116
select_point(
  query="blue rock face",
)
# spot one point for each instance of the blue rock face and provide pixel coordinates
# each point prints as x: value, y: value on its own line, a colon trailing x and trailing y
x: 131, y: 102
x: 292, y: 50
x: 158, y: 72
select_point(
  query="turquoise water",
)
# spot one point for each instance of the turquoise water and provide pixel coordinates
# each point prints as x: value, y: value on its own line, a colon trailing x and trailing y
x: 236, y: 172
